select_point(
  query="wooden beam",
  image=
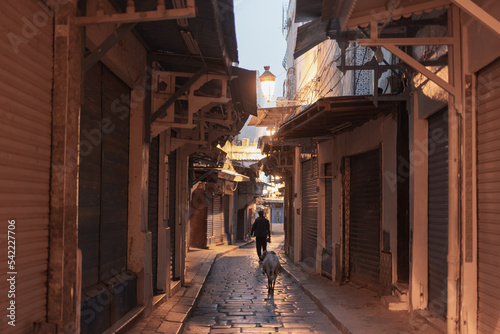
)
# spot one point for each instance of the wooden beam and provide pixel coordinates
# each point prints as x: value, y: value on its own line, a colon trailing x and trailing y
x: 479, y: 14
x: 406, y: 41
x: 419, y: 67
x: 105, y: 46
x: 161, y: 112
x: 147, y: 16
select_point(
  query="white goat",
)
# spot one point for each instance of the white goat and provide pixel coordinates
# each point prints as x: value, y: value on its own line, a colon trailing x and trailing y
x: 271, y: 267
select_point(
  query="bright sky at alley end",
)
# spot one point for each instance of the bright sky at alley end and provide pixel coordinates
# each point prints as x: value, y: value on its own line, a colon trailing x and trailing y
x: 260, y: 38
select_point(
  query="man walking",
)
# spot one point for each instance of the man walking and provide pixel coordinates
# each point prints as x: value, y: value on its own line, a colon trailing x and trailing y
x: 261, y: 231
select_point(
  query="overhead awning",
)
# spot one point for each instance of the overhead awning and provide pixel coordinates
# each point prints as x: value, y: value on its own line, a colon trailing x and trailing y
x: 307, y: 10
x: 270, y: 117
x: 243, y: 92
x: 231, y: 176
x: 354, y: 13
x: 343, y: 17
x: 329, y: 115
x: 309, y: 35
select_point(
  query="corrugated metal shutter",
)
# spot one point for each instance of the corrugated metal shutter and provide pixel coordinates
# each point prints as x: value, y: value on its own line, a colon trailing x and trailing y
x: 210, y: 219
x: 89, y: 211
x: 438, y: 212
x: 328, y: 251
x: 154, y: 148
x: 226, y: 206
x: 309, y: 212
x: 25, y: 153
x: 114, y: 169
x: 103, y: 196
x: 364, y: 228
x: 218, y: 219
x: 288, y: 214
x: 488, y: 199
x: 172, y: 177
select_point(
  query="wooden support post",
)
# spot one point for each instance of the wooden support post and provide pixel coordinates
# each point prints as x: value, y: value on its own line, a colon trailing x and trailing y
x: 139, y: 258
x: 63, y: 306
x: 148, y: 100
x: 455, y: 112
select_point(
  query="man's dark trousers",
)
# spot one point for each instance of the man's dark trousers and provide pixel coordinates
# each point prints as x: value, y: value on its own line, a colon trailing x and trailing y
x: 261, y: 242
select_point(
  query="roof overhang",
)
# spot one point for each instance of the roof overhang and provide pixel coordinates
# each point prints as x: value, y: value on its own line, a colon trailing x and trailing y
x: 270, y: 117
x: 334, y: 114
x: 232, y: 176
x: 354, y: 13
x: 307, y: 10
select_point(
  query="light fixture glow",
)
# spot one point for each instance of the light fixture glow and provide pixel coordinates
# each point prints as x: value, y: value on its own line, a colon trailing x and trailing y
x: 267, y: 83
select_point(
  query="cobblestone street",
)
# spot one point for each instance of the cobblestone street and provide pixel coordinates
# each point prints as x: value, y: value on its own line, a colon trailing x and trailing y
x: 234, y: 300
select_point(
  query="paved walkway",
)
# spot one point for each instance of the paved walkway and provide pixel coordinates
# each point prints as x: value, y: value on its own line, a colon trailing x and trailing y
x: 352, y: 309
x: 235, y: 300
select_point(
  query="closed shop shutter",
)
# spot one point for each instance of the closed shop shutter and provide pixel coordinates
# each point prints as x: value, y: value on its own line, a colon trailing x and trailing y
x: 226, y: 206
x: 89, y: 211
x: 488, y: 199
x: 210, y: 220
x: 154, y: 148
x: 218, y: 219
x: 309, y: 212
x: 326, y: 259
x: 172, y: 177
x: 288, y: 214
x: 103, y: 198
x: 438, y: 212
x: 114, y: 183
x: 25, y: 153
x: 364, y: 228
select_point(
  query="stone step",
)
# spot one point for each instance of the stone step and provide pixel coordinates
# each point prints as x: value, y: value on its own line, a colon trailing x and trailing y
x: 401, y: 291
x: 394, y: 304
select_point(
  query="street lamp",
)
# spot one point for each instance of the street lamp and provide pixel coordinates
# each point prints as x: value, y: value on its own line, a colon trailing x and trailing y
x: 267, y: 83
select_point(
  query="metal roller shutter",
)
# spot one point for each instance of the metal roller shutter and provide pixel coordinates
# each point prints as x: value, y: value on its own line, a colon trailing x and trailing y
x: 488, y: 199
x: 328, y: 250
x: 364, y: 228
x: 103, y: 197
x: 309, y: 212
x: 438, y: 212
x: 288, y: 214
x: 25, y: 160
x: 217, y: 220
x: 154, y: 148
x: 114, y: 183
x: 172, y: 177
x: 210, y: 219
x: 227, y: 218
x: 90, y: 180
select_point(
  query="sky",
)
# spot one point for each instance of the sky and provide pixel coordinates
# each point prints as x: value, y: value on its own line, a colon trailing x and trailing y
x: 260, y: 39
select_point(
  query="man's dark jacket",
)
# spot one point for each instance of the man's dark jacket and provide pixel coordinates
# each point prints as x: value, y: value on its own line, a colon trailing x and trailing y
x: 260, y: 227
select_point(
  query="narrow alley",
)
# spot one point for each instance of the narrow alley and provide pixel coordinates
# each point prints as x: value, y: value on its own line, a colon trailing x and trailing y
x: 235, y: 300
